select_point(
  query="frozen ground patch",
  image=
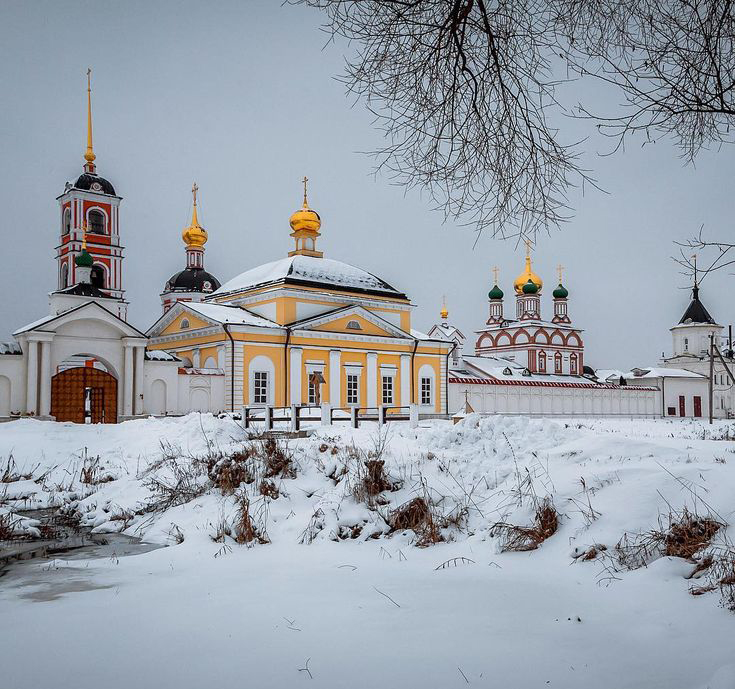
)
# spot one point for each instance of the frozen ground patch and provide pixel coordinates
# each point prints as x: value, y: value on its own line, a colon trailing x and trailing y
x: 341, y: 597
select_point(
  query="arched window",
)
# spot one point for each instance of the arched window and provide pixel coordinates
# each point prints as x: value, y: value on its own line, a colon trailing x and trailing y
x: 97, y: 276
x: 542, y: 362
x: 184, y: 324
x: 96, y: 222
x: 557, y: 362
x: 66, y: 221
x: 686, y: 344
x: 573, y: 364
x: 64, y: 276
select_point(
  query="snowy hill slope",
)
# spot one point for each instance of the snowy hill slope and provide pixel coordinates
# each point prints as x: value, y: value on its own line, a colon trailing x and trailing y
x: 286, y: 552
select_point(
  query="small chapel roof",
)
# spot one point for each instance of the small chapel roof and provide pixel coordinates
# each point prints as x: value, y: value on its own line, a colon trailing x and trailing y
x: 696, y: 311
x: 310, y: 271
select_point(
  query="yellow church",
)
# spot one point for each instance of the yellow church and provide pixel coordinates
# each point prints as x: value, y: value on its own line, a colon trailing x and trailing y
x: 301, y: 330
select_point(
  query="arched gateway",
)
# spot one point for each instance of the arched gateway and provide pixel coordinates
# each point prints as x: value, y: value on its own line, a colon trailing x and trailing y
x: 84, y: 395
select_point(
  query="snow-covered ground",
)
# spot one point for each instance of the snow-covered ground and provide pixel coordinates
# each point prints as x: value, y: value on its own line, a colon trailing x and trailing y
x: 337, y: 598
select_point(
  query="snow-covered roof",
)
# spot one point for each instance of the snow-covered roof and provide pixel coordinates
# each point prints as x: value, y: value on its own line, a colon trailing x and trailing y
x: 10, y: 348
x: 159, y: 355
x: 653, y: 372
x: 35, y: 325
x: 309, y: 270
x: 609, y: 375
x: 231, y: 315
x: 446, y: 332
x: 499, y: 370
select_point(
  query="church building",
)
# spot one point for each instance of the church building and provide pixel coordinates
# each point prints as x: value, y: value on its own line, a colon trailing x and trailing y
x: 305, y: 330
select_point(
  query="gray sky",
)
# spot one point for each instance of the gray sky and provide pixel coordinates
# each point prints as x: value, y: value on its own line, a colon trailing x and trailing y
x: 241, y: 97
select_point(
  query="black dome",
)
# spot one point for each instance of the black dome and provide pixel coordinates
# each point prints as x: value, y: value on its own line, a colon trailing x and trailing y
x: 86, y: 181
x: 192, y: 280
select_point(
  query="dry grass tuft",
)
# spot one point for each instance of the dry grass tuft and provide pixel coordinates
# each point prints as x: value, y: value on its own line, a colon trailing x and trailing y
x: 277, y: 458
x: 416, y: 515
x: 524, y: 538
x: 688, y: 534
x: 269, y: 489
x: 246, y: 531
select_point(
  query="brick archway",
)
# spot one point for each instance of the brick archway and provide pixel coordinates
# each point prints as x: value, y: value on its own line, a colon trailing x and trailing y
x: 84, y: 392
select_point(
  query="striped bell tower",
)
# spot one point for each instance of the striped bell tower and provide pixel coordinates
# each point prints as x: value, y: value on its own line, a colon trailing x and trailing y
x: 91, y: 205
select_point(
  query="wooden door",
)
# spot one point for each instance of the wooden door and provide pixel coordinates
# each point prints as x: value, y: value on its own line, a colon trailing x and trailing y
x: 682, y: 406
x: 71, y: 388
x: 697, y: 406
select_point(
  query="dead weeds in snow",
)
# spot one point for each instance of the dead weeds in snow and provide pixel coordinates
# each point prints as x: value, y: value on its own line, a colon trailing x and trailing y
x: 523, y: 538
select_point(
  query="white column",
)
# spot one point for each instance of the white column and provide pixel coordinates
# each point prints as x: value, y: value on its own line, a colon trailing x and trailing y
x: 295, y: 375
x: 45, y: 406
x: 32, y: 378
x: 138, y: 380
x: 335, y: 379
x: 128, y: 381
x: 372, y: 379
x: 406, y: 381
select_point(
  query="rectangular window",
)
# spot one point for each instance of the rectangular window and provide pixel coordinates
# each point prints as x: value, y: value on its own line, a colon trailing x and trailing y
x: 312, y: 393
x: 387, y: 389
x: 353, y: 389
x: 260, y: 387
x: 426, y: 391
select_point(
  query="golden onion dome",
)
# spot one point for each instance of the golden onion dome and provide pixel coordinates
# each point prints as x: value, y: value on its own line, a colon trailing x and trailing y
x: 305, y: 219
x: 195, y: 235
x: 525, y: 276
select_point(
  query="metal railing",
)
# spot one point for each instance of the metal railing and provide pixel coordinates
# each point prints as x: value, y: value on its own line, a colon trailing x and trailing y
x: 294, y: 415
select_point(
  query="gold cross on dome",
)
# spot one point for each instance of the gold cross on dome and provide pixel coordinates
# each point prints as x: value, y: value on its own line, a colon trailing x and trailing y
x: 496, y: 270
x: 194, y: 190
x: 304, y: 181
x: 528, y: 246
x: 559, y: 269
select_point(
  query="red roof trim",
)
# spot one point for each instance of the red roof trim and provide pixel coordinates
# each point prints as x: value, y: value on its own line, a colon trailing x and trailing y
x: 545, y: 384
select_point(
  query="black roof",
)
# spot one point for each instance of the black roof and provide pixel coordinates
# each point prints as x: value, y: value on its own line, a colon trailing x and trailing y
x: 84, y: 289
x: 696, y: 313
x: 87, y: 179
x: 192, y: 280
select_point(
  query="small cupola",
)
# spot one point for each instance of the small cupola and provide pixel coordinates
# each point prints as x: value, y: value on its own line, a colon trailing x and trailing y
x: 305, y: 225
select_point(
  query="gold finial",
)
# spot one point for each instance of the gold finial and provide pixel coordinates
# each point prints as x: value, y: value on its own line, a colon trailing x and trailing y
x: 89, y: 155
x: 496, y: 270
x: 527, y: 273
x: 194, y: 236
x: 559, y: 270
x: 194, y: 219
x: 304, y: 181
x: 444, y: 312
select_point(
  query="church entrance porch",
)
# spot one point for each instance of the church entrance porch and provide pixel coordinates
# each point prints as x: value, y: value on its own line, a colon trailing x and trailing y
x: 84, y: 394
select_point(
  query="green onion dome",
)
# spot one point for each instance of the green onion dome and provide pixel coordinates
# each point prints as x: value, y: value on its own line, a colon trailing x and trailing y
x: 495, y: 293
x: 530, y: 287
x: 84, y: 259
x: 560, y: 292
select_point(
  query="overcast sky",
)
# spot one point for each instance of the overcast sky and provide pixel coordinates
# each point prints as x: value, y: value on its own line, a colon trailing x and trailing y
x: 241, y: 98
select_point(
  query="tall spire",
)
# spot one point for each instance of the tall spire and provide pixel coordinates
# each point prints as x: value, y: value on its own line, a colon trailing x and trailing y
x: 305, y: 181
x: 444, y: 312
x: 89, y: 155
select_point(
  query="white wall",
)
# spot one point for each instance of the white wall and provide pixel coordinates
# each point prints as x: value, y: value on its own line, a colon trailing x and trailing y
x: 554, y: 401
x: 12, y: 370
